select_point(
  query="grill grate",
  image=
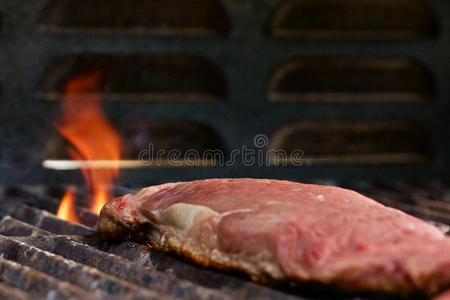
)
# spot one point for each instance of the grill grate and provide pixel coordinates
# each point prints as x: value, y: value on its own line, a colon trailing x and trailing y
x: 43, y: 256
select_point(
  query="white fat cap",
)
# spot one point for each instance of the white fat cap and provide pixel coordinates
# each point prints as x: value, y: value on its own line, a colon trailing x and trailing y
x: 182, y: 216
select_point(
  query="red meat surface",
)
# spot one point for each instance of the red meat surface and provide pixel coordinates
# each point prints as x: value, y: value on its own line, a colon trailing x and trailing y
x: 286, y: 231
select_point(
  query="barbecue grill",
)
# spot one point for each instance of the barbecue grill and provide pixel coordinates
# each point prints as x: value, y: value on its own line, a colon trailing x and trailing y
x: 360, y: 87
x: 44, y: 256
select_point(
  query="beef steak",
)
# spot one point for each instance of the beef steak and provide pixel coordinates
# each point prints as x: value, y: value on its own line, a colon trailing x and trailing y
x: 286, y: 231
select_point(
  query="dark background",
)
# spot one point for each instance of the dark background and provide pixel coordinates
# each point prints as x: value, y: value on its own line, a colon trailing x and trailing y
x: 246, y: 52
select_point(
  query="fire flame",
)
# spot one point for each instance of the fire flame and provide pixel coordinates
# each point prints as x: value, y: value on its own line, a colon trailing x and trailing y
x: 91, y: 135
x: 66, y: 209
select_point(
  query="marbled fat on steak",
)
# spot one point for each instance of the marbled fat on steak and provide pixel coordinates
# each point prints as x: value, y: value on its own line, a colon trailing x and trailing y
x: 286, y: 230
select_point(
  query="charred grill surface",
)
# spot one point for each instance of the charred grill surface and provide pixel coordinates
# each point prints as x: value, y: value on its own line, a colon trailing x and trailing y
x: 43, y: 256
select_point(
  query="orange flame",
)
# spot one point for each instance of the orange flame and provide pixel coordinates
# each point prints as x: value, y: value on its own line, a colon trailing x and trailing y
x: 91, y: 134
x: 66, y: 209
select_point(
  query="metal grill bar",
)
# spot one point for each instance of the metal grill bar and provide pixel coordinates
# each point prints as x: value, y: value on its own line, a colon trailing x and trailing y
x: 13, y: 227
x: 48, y: 203
x: 41, y: 218
x: 118, y: 267
x: 37, y: 284
x: 88, y: 278
x: 7, y: 292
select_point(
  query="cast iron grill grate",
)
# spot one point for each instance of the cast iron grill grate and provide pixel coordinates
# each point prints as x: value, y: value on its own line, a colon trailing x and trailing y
x: 45, y: 257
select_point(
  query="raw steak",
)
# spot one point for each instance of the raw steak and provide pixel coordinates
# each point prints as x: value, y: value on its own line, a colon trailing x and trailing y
x: 286, y: 231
